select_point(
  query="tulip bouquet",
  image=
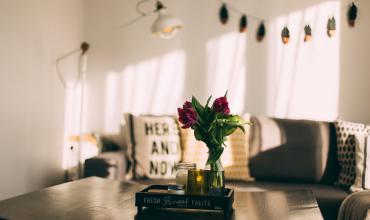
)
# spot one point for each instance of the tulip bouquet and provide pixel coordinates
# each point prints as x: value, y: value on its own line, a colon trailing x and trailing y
x: 211, y: 125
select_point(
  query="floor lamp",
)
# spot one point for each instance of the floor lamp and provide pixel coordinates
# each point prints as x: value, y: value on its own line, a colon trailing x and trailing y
x: 165, y: 26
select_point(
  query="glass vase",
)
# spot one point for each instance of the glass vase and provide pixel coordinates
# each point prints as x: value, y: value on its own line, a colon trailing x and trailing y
x: 215, y: 178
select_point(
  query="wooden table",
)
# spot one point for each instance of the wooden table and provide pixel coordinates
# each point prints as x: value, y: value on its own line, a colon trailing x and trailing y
x: 97, y: 198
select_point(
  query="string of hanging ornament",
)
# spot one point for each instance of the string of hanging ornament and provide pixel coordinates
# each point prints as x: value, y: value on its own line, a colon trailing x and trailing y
x: 352, y: 11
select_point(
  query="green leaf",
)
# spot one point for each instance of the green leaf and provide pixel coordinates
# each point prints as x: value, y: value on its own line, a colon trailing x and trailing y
x: 209, y: 99
x: 214, y: 140
x: 236, y: 122
x: 215, y: 155
x: 198, y: 107
x: 234, y: 118
x: 242, y: 128
x: 210, y: 118
x: 220, y: 136
x: 229, y: 130
x: 199, y: 134
x: 216, y: 133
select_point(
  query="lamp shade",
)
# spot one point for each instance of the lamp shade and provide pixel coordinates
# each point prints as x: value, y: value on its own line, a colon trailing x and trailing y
x: 166, y: 26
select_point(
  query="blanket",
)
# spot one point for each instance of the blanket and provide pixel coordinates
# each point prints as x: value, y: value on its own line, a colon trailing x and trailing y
x: 356, y: 206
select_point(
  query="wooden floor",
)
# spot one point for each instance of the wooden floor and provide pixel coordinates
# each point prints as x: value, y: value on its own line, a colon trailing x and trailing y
x: 97, y: 198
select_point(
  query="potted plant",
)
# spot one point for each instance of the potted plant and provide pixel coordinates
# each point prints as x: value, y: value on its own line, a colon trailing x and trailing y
x: 211, y: 125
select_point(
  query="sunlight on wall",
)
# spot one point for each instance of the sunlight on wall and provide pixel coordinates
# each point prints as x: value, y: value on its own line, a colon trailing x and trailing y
x: 303, y: 77
x: 226, y: 68
x: 153, y: 86
x: 111, y: 89
x: 70, y: 157
x: 72, y: 108
x: 72, y: 129
x: 226, y: 71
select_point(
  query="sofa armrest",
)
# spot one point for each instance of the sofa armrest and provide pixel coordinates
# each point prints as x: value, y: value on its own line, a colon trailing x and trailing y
x: 110, y: 165
x: 356, y: 206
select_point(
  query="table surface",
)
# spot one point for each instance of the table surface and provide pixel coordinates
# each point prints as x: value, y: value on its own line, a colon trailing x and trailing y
x: 97, y: 198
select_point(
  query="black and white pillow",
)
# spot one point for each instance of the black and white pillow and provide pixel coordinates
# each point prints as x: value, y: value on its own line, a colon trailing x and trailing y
x: 346, y: 150
x: 153, y: 146
x: 362, y: 180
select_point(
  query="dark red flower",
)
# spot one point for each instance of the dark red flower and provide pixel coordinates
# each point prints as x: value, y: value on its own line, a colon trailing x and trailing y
x: 187, y: 115
x: 221, y: 105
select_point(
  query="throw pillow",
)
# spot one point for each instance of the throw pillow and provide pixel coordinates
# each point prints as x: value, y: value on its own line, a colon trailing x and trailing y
x: 234, y: 158
x: 362, y: 180
x: 153, y: 146
x: 346, y: 149
x: 291, y: 150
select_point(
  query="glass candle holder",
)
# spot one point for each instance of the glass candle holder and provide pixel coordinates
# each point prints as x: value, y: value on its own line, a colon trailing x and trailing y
x: 196, y: 183
x: 177, y: 189
x: 182, y: 173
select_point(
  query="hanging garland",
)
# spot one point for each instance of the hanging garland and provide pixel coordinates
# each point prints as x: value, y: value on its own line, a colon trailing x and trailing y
x: 352, y: 11
x: 261, y: 32
x: 243, y: 24
x: 352, y: 15
x: 307, y: 33
x: 285, y: 35
x: 331, y: 27
x: 224, y: 14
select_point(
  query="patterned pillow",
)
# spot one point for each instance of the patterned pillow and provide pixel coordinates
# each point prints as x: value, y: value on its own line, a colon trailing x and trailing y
x: 362, y: 180
x: 234, y: 158
x: 153, y: 146
x: 346, y: 145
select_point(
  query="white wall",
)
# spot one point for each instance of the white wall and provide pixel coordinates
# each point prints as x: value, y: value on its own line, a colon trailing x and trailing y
x: 132, y: 71
x: 303, y: 77
x: 354, y: 86
x: 323, y: 79
x: 330, y: 76
x: 33, y: 34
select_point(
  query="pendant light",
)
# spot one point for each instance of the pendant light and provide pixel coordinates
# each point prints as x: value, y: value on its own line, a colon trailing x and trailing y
x: 166, y: 26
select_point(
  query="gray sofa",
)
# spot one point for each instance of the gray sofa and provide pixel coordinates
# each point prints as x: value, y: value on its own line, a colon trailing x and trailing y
x: 284, y: 155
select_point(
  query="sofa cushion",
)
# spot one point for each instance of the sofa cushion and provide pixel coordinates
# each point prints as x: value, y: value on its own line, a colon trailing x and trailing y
x: 346, y: 132
x: 293, y: 150
x: 154, y: 146
x: 362, y: 158
x: 110, y: 165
